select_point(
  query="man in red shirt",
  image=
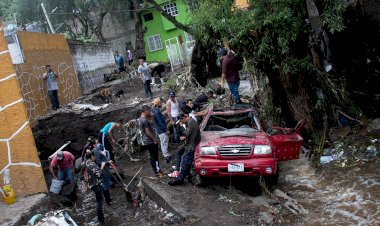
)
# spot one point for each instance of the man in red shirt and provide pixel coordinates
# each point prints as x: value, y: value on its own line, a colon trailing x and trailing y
x: 65, y: 162
x: 230, y: 72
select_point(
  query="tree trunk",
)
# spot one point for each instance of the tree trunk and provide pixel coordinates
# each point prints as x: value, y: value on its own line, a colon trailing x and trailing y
x: 203, y: 64
x: 316, y: 25
x: 140, y: 45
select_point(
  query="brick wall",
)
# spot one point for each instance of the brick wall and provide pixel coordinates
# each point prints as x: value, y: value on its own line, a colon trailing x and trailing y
x: 41, y: 49
x: 91, y: 61
x: 18, y: 151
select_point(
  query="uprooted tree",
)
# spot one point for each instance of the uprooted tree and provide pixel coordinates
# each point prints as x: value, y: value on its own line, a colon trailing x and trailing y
x: 289, y: 41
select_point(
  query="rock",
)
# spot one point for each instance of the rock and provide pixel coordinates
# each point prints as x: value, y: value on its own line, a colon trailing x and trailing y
x: 339, y: 133
x: 374, y: 128
x: 289, y: 203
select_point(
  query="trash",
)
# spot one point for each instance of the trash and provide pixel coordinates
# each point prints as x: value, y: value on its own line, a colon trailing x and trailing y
x: 137, y: 201
x: 371, y: 151
x: 326, y: 159
x: 56, y: 186
x: 58, y: 217
x: 327, y: 151
x: 223, y: 198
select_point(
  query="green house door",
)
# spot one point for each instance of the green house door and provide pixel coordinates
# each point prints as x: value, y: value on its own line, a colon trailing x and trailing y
x: 174, y: 53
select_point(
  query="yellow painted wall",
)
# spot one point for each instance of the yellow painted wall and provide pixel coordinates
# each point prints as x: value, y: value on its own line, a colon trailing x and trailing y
x: 41, y: 49
x: 18, y: 152
x: 242, y: 4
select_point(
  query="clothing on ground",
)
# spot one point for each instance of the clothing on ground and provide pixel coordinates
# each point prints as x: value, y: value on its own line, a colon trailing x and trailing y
x: 66, y: 162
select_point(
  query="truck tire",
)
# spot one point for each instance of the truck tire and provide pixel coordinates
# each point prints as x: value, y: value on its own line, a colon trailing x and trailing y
x: 271, y: 181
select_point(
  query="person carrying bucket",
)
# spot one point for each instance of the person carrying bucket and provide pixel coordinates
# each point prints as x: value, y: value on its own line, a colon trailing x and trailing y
x: 65, y: 162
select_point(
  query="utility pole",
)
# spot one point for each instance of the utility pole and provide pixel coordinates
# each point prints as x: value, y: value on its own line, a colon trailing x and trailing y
x: 47, y: 18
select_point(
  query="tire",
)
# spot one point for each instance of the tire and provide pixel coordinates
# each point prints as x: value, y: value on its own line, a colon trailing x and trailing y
x: 199, y: 180
x: 271, y: 181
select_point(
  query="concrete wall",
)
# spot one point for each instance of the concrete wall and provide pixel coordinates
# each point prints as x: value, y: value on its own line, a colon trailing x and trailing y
x: 39, y: 50
x: 18, y: 152
x: 91, y: 61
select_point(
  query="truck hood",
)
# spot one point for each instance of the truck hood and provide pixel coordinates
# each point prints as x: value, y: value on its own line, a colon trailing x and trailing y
x: 223, y: 138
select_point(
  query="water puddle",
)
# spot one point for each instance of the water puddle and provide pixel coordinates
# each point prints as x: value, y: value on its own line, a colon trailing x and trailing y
x: 347, y: 196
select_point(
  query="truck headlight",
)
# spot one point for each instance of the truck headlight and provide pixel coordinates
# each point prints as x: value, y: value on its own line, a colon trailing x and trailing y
x: 207, y: 151
x: 262, y: 149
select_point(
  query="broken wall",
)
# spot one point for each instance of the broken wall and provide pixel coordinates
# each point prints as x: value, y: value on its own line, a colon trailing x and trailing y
x: 40, y: 49
x: 91, y: 61
x: 18, y: 152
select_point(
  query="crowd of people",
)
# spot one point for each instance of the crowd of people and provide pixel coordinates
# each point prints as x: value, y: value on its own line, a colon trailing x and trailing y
x: 181, y: 125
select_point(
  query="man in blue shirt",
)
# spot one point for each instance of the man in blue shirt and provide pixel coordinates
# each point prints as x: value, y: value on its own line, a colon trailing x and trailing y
x: 105, y: 133
x: 119, y: 61
x: 161, y: 128
x: 52, y: 86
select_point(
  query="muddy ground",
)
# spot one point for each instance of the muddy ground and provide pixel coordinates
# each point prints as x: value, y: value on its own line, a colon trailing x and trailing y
x: 329, y: 194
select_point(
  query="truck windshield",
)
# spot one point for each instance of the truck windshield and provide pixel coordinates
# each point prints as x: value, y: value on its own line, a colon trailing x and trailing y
x: 243, y: 122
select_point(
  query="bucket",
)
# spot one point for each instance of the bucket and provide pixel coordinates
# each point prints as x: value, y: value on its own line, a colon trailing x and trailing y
x: 56, y: 186
x: 9, y: 197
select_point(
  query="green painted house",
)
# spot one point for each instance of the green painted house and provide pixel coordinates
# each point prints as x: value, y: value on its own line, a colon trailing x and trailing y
x: 163, y: 41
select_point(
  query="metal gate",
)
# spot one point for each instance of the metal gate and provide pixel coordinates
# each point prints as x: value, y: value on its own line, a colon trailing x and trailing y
x: 174, y: 53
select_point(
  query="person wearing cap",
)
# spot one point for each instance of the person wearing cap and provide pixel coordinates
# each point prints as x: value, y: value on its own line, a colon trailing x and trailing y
x: 192, y: 135
x: 203, y: 99
x: 173, y: 110
x: 161, y: 128
x: 144, y: 73
x: 149, y: 139
x: 89, y: 146
x: 103, y: 161
x: 93, y: 178
x: 230, y: 72
x: 65, y: 162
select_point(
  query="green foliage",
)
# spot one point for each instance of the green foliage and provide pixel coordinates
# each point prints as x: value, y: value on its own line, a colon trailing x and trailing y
x: 273, y: 31
x: 332, y: 15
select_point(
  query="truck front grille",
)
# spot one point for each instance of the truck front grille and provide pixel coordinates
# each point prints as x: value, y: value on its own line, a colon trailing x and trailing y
x: 228, y: 151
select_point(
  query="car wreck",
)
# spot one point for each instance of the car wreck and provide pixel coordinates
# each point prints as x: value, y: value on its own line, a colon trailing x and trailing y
x: 234, y: 143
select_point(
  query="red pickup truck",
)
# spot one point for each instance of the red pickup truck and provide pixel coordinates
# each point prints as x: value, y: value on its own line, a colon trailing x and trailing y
x: 234, y: 143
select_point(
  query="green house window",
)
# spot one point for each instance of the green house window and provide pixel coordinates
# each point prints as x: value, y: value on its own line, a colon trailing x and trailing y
x: 154, y: 43
x: 148, y: 17
x: 171, y: 9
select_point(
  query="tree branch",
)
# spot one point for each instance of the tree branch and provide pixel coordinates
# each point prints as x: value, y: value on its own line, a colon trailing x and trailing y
x: 169, y: 17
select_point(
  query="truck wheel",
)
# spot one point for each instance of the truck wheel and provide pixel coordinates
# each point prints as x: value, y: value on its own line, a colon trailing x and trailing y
x: 271, y: 181
x: 199, y: 180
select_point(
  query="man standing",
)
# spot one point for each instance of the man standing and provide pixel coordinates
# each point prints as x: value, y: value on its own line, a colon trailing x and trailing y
x: 144, y: 73
x: 52, y: 86
x: 230, y: 72
x: 93, y: 179
x: 130, y: 57
x: 103, y: 161
x: 190, y: 131
x: 119, y: 61
x: 161, y: 128
x: 172, y: 110
x: 65, y: 162
x: 149, y: 139
x: 107, y: 132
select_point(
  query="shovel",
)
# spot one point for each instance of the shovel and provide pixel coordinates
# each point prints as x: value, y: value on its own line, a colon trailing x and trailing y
x: 125, y: 151
x: 125, y: 187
